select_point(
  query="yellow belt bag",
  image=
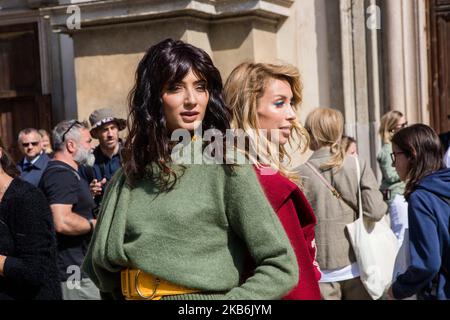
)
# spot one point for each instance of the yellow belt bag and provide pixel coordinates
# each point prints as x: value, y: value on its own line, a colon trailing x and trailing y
x: 139, y: 285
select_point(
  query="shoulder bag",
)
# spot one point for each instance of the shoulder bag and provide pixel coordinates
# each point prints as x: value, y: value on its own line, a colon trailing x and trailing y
x: 373, y: 242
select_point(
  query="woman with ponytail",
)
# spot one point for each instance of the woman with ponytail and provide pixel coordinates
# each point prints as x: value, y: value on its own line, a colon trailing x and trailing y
x: 331, y: 187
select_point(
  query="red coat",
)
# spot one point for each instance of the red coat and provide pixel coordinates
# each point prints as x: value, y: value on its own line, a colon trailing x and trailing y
x: 298, y: 220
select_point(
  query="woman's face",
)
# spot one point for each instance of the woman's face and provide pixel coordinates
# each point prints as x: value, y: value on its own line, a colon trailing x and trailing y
x: 185, y: 102
x: 400, y: 162
x: 275, y: 110
x: 45, y: 142
x: 402, y: 123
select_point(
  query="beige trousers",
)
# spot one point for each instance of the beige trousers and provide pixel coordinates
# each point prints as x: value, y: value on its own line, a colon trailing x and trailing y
x: 83, y: 290
x: 351, y: 289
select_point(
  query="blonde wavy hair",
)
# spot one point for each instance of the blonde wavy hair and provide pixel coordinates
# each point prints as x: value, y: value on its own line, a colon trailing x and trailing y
x: 326, y: 127
x: 388, y: 124
x: 242, y: 90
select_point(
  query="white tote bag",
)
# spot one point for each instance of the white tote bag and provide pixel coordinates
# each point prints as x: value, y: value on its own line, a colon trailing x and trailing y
x: 375, y: 247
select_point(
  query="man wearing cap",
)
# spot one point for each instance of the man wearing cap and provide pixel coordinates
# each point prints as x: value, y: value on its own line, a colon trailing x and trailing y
x: 105, y: 127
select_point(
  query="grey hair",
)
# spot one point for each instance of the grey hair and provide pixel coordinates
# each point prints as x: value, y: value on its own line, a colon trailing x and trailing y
x: 27, y: 131
x: 74, y: 133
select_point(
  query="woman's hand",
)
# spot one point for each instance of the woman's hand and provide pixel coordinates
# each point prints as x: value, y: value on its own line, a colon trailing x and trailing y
x: 390, y: 294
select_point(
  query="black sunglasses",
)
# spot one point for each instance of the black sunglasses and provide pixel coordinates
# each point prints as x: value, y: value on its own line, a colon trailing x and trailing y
x: 70, y: 127
x: 394, y: 156
x: 26, y: 144
x: 403, y: 125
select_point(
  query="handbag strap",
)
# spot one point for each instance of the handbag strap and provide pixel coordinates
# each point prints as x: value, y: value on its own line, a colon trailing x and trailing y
x: 324, y: 181
x: 358, y: 172
x: 336, y: 193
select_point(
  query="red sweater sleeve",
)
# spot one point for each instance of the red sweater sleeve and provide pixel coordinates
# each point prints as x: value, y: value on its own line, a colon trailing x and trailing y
x: 298, y: 220
x: 308, y: 222
x: 307, y: 287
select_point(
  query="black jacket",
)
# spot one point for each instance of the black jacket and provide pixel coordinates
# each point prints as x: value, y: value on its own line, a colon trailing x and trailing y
x: 27, y: 238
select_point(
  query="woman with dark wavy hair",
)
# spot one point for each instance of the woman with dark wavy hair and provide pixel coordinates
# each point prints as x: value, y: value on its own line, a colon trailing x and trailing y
x: 417, y: 157
x: 27, y: 239
x: 181, y: 231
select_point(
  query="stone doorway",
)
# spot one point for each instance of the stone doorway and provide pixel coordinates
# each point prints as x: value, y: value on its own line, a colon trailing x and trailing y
x: 439, y: 18
x: 22, y: 103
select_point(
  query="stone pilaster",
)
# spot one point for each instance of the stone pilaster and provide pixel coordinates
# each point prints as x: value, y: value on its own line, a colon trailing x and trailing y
x: 407, y: 70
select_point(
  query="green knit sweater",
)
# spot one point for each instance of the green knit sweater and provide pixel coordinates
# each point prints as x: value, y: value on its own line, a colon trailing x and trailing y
x: 195, y: 235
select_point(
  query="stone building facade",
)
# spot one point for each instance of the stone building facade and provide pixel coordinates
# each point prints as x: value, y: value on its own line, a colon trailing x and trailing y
x: 362, y: 57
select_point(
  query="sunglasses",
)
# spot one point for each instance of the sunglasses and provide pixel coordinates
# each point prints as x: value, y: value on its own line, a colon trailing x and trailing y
x: 400, y: 126
x: 26, y: 144
x: 403, y: 125
x: 69, y: 128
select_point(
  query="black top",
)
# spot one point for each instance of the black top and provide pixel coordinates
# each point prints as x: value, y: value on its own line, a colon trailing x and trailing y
x: 27, y: 238
x: 61, y: 184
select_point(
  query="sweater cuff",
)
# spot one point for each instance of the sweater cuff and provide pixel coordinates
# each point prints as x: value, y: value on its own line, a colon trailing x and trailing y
x: 11, y: 264
x: 397, y: 291
x: 228, y: 296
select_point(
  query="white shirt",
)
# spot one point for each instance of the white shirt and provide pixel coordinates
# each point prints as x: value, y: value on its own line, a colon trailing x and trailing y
x: 447, y: 158
x: 25, y: 160
x: 348, y: 272
x: 399, y: 216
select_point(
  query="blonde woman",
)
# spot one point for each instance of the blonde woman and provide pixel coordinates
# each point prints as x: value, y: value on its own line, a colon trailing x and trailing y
x: 331, y: 186
x: 46, y: 142
x: 391, y: 185
x: 393, y: 188
x: 350, y: 145
x: 263, y: 99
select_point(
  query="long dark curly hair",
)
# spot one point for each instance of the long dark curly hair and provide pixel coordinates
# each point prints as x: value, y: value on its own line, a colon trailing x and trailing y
x: 7, y: 162
x: 148, y: 143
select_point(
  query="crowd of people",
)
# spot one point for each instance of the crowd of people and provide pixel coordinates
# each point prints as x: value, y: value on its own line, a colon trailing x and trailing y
x: 199, y: 201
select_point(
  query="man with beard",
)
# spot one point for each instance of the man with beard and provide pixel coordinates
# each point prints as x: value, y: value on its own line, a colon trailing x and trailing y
x: 105, y: 127
x: 71, y: 204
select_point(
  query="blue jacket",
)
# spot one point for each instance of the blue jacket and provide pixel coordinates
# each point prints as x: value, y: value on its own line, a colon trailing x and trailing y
x: 104, y: 167
x: 34, y: 173
x: 428, y: 214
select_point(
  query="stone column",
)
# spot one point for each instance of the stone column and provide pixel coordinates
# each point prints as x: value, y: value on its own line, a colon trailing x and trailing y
x: 374, y: 80
x: 411, y: 61
x: 361, y: 77
x: 311, y: 34
x: 422, y: 44
x: 407, y: 58
x: 396, y: 74
x: 307, y: 37
x: 346, y: 13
